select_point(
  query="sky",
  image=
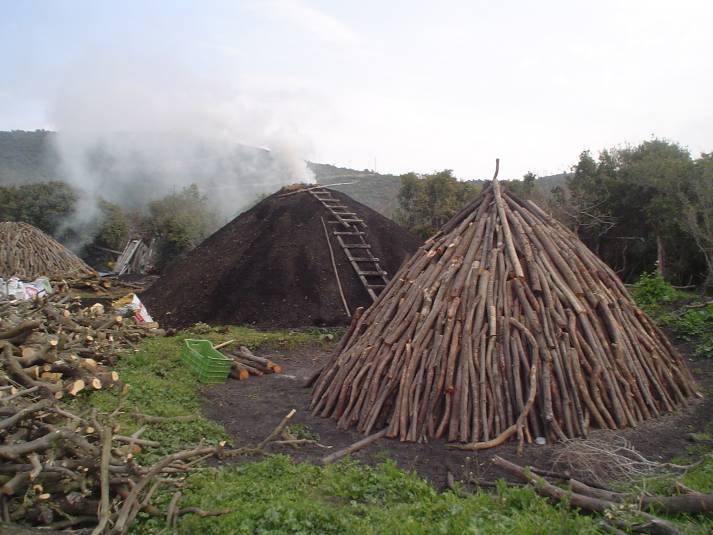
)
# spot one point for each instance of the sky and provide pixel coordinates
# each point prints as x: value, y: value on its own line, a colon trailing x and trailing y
x: 386, y: 85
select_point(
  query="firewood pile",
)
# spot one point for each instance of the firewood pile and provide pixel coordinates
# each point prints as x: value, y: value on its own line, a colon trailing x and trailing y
x: 246, y: 364
x: 63, y: 470
x: 27, y: 253
x: 51, y: 348
x: 502, y: 325
x: 60, y: 347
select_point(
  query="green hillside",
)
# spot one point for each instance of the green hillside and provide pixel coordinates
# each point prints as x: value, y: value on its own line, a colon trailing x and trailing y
x: 379, y: 192
x: 27, y: 157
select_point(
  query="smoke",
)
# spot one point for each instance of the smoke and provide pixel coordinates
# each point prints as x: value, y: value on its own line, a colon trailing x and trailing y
x: 132, y: 132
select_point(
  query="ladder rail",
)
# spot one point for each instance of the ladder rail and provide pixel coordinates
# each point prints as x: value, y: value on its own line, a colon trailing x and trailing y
x: 352, y: 225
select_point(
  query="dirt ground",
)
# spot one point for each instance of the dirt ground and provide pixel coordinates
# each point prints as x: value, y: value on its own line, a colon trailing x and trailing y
x: 251, y: 409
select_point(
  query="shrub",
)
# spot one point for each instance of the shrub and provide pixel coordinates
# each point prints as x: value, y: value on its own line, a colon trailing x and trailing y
x: 651, y: 290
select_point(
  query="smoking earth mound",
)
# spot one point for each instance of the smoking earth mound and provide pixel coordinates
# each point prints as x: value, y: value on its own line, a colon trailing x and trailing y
x: 271, y: 267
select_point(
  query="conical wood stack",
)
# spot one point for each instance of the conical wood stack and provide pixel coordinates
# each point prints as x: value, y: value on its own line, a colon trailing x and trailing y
x: 26, y: 252
x: 504, y: 323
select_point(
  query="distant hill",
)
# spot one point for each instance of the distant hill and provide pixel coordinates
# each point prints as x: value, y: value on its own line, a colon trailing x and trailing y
x: 546, y: 183
x: 27, y: 157
x: 378, y: 192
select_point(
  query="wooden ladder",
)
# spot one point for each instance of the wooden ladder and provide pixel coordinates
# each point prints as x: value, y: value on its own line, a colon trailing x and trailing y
x: 352, y: 239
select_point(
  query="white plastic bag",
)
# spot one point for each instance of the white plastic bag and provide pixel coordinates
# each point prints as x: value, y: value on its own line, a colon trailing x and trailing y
x: 16, y: 289
x: 141, y: 315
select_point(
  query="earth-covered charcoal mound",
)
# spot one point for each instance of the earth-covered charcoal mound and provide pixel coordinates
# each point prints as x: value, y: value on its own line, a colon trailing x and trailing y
x: 271, y: 267
x: 27, y: 253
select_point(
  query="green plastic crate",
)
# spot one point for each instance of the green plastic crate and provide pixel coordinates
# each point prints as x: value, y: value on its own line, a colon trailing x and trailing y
x: 210, y: 365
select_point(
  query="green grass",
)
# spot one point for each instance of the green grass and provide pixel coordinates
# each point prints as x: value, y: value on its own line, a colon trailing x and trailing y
x: 663, y: 302
x: 694, y: 326
x: 275, y: 495
x: 159, y: 384
x: 699, y: 478
x: 278, y: 496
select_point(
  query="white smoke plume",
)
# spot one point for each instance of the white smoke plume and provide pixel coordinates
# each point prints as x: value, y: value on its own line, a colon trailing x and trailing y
x: 131, y: 133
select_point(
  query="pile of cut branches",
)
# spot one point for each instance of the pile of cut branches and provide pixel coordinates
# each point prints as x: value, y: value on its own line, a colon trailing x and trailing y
x: 59, y: 469
x: 621, y: 511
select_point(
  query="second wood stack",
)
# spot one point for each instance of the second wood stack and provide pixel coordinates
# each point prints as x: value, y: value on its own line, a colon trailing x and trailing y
x: 502, y: 325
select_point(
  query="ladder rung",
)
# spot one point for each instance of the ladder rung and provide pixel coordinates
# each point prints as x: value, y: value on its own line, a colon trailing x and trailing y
x: 376, y: 285
x: 363, y: 259
x: 371, y: 272
x: 344, y: 233
x: 343, y: 213
x: 346, y: 221
x: 357, y: 246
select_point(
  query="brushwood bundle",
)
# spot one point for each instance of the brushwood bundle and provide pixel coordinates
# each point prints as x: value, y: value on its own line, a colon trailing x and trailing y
x: 503, y: 324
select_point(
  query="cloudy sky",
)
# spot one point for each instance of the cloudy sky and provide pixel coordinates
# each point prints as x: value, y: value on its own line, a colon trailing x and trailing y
x: 372, y: 83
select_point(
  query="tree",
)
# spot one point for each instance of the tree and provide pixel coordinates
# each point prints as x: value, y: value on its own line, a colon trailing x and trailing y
x: 526, y: 188
x: 46, y: 205
x: 626, y: 205
x: 698, y: 211
x: 427, y: 202
x: 180, y: 221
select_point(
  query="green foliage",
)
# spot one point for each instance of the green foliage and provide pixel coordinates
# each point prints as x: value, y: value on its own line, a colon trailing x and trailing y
x: 114, y: 227
x: 695, y: 326
x: 526, y: 188
x: 181, y: 221
x: 427, y: 202
x: 698, y: 211
x: 629, y: 205
x: 302, y: 432
x: 251, y: 338
x: 698, y: 478
x: 651, y: 290
x: 277, y: 496
x: 659, y: 298
x: 44, y: 204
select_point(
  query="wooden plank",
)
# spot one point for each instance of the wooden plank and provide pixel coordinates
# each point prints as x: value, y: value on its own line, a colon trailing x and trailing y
x: 372, y: 273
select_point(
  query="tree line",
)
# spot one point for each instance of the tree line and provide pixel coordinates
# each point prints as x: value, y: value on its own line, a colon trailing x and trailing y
x: 640, y: 208
x: 179, y: 220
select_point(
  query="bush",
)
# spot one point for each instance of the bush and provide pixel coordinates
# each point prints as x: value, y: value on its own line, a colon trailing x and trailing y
x: 694, y: 326
x: 651, y: 290
x: 181, y: 221
x: 44, y: 205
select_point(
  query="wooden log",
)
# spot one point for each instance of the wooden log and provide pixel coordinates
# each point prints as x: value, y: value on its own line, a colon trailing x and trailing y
x: 332, y: 457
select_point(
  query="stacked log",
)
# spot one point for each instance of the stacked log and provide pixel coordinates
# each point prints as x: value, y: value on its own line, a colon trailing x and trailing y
x: 246, y: 364
x: 27, y: 253
x: 503, y: 324
x: 56, y: 346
